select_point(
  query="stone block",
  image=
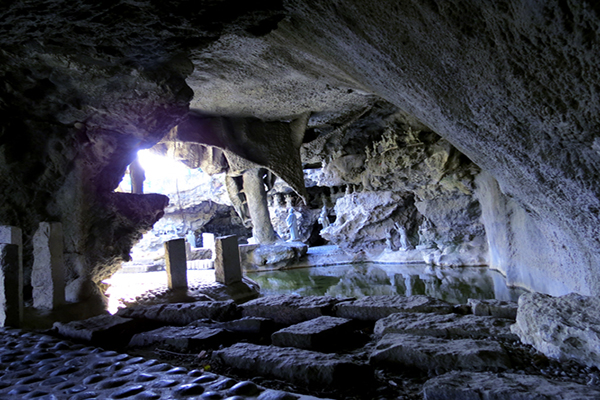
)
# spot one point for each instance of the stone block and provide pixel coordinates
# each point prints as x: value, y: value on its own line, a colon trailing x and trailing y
x: 228, y: 269
x: 435, y: 354
x: 301, y: 367
x: 183, y: 313
x: 99, y: 330
x: 290, y: 309
x: 563, y: 327
x: 372, y: 308
x: 494, y: 308
x: 48, y: 274
x: 176, y: 263
x: 187, y: 338
x: 316, y: 334
x: 445, y: 325
x: 250, y: 325
x: 11, y: 286
x: 488, y: 385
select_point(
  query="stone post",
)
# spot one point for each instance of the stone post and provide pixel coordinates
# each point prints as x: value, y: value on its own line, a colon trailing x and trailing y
x: 175, y: 259
x: 228, y: 268
x: 13, y: 235
x: 254, y: 189
x: 11, y: 293
x: 48, y: 273
x: 137, y: 176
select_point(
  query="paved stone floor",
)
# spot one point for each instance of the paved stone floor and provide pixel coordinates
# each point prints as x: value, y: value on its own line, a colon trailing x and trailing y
x: 38, y: 366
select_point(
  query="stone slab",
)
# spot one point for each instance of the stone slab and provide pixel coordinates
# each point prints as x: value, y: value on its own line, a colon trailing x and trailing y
x: 302, y: 367
x: 228, y: 269
x: 48, y: 275
x: 316, y: 334
x: 372, y: 308
x: 566, y: 327
x: 494, y: 308
x: 445, y: 325
x: 437, y: 354
x: 250, y: 325
x: 183, y: 313
x: 290, y: 309
x: 176, y: 264
x: 186, y: 338
x: 98, y: 330
x: 503, y: 386
x: 11, y: 286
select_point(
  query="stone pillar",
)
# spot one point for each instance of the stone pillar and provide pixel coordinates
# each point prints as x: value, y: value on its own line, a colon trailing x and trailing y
x: 13, y: 235
x: 228, y: 268
x: 176, y: 264
x: 11, y: 290
x: 48, y: 273
x: 137, y: 176
x: 254, y: 188
x: 208, y: 242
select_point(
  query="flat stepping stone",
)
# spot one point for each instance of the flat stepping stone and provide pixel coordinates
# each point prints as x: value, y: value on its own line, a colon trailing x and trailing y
x: 372, y: 308
x: 302, y: 367
x: 503, y: 386
x: 182, y: 338
x: 183, y: 313
x: 446, y: 325
x: 435, y: 354
x: 315, y: 334
x: 286, y: 309
x: 494, y: 308
x: 99, y: 330
x: 250, y: 325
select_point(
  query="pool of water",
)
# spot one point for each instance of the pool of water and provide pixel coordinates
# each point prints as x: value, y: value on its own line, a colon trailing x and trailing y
x: 452, y: 284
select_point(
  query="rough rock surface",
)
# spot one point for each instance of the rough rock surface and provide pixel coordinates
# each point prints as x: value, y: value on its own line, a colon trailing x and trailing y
x: 503, y: 386
x: 182, y: 313
x: 563, y: 327
x: 302, y: 367
x: 494, y: 308
x: 428, y: 353
x: 447, y: 325
x: 99, y: 330
x: 372, y: 308
x: 190, y: 338
x: 322, y: 333
x: 290, y: 309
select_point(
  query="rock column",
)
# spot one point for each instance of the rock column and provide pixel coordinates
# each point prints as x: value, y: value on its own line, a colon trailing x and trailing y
x: 11, y: 290
x: 254, y: 189
x: 48, y: 273
x: 12, y: 276
x: 176, y: 264
x: 228, y: 269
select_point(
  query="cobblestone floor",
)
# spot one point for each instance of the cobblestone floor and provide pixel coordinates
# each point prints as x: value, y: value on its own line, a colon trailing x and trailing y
x: 38, y: 366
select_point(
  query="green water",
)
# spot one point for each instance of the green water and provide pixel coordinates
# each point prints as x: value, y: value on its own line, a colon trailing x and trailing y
x: 451, y: 284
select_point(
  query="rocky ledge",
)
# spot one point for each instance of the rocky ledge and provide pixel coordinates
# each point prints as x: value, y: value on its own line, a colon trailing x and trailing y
x: 415, y: 348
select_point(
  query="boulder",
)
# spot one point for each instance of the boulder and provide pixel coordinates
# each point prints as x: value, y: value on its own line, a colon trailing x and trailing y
x: 502, y: 386
x: 315, y: 334
x: 182, y: 313
x: 565, y: 327
x: 301, y: 367
x: 372, y: 308
x: 435, y: 354
x: 99, y: 330
x: 494, y: 308
x: 189, y: 338
x: 447, y: 325
x: 290, y: 309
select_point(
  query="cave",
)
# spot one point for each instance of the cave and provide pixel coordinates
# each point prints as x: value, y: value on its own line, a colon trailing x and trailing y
x: 453, y: 133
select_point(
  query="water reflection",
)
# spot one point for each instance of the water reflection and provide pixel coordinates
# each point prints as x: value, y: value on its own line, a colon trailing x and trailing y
x: 451, y: 284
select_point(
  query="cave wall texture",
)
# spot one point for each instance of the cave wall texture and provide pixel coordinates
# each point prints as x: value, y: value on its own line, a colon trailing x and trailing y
x: 511, y: 84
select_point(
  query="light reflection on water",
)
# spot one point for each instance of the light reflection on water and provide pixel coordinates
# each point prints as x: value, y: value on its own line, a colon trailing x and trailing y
x: 452, y: 284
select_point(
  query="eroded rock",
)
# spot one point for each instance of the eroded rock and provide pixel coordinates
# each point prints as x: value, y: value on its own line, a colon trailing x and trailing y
x: 563, y: 327
x: 290, y: 309
x: 447, y: 325
x: 182, y: 313
x: 372, y: 308
x: 190, y: 338
x: 503, y: 386
x: 316, y: 334
x: 100, y: 330
x: 494, y: 308
x: 436, y: 354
